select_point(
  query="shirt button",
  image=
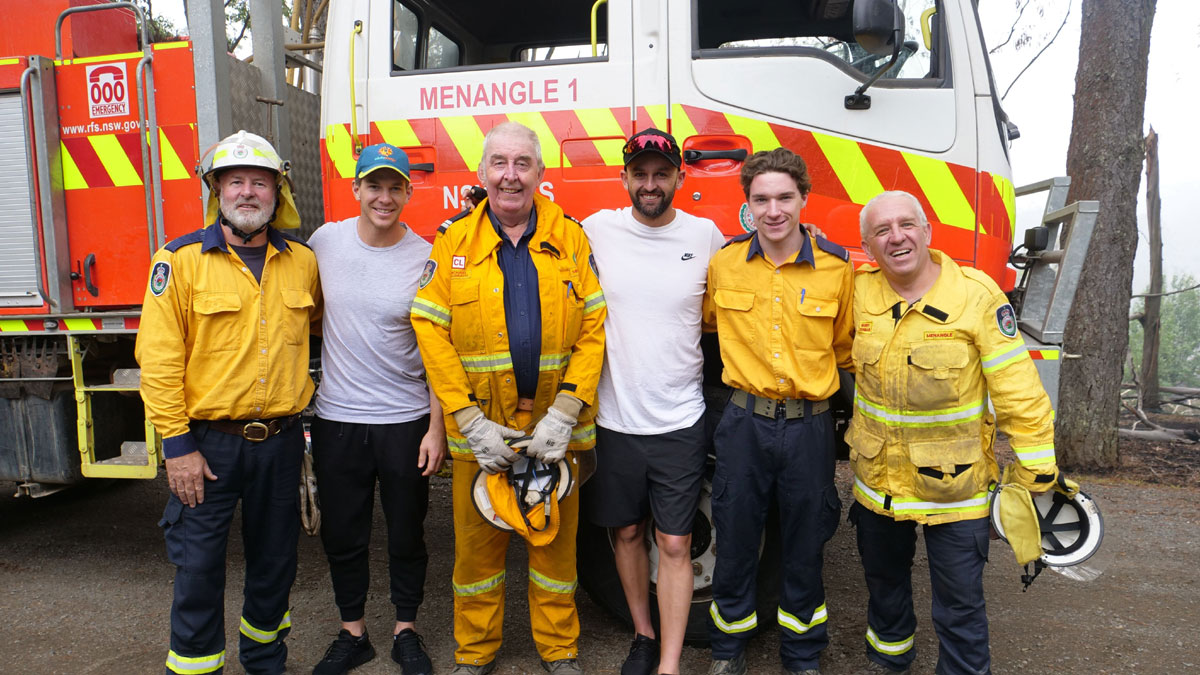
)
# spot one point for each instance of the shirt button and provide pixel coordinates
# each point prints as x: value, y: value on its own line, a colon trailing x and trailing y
x: 258, y: 409
x: 778, y: 271
x: 775, y: 327
x: 781, y: 380
x: 495, y: 290
x: 508, y: 380
x: 245, y: 270
x: 776, y: 354
x: 263, y: 380
x: 264, y: 351
x: 777, y: 298
x: 264, y: 321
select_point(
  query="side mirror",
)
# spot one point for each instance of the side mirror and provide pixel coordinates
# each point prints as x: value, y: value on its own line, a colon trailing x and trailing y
x: 878, y: 25
x: 879, y: 29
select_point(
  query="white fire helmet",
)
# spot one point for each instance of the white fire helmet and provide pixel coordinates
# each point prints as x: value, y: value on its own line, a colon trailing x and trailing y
x: 1071, y: 530
x: 524, y: 498
x: 246, y: 149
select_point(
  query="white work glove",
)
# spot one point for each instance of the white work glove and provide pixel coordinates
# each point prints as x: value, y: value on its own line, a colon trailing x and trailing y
x: 486, y: 439
x: 553, y: 432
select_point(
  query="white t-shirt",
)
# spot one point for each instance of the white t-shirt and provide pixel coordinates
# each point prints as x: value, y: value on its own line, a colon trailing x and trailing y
x: 371, y: 371
x: 653, y: 280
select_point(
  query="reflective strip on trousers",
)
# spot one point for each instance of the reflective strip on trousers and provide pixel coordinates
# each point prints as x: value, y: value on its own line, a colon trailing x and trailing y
x: 999, y: 359
x: 593, y: 302
x: 914, y: 505
x: 925, y: 418
x: 797, y: 626
x: 479, y: 587
x: 432, y: 311
x: 488, y: 363
x: 1036, y: 454
x: 891, y: 648
x: 266, y: 636
x: 551, y: 585
x: 554, y: 361
x: 195, y: 665
x: 731, y: 627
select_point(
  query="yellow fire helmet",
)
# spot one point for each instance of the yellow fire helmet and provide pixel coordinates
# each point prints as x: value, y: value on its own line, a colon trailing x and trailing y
x: 246, y: 149
x: 1060, y: 528
x: 524, y: 499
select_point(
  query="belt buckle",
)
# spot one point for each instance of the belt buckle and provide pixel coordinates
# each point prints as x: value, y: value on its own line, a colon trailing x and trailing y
x: 256, y: 432
x: 780, y: 409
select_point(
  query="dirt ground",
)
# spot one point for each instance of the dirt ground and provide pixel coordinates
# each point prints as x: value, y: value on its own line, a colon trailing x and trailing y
x: 85, y: 588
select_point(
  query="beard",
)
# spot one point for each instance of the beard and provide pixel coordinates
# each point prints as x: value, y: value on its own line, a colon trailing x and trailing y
x: 654, y: 211
x: 244, y: 222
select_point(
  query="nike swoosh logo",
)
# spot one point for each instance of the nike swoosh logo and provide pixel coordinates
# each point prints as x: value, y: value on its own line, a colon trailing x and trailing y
x: 687, y: 256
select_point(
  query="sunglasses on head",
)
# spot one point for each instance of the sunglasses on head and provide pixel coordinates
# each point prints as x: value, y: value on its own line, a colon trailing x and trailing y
x: 651, y: 141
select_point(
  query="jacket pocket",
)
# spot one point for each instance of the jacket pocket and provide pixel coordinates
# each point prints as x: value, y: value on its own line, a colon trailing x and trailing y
x: 947, y: 469
x: 466, y: 317
x: 868, y: 378
x: 299, y: 305
x: 573, y: 306
x: 818, y: 314
x: 864, y: 454
x: 735, y: 318
x: 935, y: 375
x: 217, y: 325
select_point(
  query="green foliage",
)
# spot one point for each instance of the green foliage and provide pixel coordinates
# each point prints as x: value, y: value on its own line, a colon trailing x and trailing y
x: 1179, y: 339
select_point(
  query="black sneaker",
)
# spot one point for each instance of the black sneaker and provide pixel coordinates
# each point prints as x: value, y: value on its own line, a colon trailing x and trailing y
x: 408, y: 649
x: 345, y: 653
x: 643, y: 656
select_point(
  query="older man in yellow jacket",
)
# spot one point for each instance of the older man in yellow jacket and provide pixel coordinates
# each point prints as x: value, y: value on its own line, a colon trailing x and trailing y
x: 509, y: 317
x: 933, y: 343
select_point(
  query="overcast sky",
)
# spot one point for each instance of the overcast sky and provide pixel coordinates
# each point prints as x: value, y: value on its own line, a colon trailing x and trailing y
x: 1041, y: 105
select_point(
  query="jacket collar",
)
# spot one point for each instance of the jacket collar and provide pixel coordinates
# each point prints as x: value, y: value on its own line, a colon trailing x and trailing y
x: 214, y: 238
x: 804, y: 254
x: 943, y: 302
x: 547, y: 234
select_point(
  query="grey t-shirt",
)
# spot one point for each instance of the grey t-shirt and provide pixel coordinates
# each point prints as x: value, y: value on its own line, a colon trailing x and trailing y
x: 371, y: 369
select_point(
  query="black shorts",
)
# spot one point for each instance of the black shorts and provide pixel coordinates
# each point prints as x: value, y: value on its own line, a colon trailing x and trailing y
x: 637, y: 475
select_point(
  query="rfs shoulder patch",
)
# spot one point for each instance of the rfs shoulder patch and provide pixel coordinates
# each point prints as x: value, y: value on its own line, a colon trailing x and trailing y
x: 427, y: 273
x: 592, y: 264
x: 160, y: 276
x: 1006, y: 321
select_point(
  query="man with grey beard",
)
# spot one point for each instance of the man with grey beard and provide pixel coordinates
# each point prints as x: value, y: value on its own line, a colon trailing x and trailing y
x: 223, y: 348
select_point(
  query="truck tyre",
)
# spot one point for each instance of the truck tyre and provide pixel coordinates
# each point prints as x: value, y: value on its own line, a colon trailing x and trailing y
x: 598, y: 571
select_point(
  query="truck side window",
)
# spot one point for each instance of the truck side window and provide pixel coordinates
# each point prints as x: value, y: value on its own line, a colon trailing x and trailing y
x: 405, y: 25
x: 825, y: 32
x: 440, y: 50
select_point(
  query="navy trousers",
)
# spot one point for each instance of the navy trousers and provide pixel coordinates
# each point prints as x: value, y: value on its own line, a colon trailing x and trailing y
x: 957, y: 552
x: 791, y: 460
x: 265, y: 476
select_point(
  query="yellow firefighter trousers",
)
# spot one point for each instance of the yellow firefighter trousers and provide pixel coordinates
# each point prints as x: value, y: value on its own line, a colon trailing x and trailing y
x: 479, y: 571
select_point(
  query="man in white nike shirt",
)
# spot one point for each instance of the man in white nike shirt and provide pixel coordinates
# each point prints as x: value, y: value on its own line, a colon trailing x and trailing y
x: 652, y: 261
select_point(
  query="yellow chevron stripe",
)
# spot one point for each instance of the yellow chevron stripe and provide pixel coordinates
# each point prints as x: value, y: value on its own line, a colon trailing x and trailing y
x: 340, y: 149
x: 658, y: 117
x: 551, y: 150
x: 681, y: 125
x: 947, y: 199
x: 9, y: 62
x: 114, y: 159
x: 159, y: 46
x: 759, y: 132
x: 1005, y: 187
x: 467, y: 138
x: 79, y: 324
x: 602, y: 122
x: 172, y: 166
x: 98, y: 59
x: 13, y: 325
x: 851, y: 166
x: 398, y: 133
x: 72, y: 178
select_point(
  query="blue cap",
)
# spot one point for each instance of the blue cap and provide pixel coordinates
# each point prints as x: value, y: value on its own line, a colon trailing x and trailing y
x: 381, y: 156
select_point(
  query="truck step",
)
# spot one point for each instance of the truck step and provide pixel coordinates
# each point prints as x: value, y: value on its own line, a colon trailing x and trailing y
x: 133, y: 453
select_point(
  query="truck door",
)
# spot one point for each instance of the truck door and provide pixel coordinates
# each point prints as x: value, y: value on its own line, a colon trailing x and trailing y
x: 439, y: 75
x: 753, y: 76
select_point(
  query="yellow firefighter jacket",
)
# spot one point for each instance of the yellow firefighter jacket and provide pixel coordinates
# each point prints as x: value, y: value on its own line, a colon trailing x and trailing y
x: 458, y: 316
x: 921, y: 438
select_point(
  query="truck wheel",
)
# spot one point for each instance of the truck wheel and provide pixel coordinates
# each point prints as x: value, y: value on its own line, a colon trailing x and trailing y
x: 598, y: 571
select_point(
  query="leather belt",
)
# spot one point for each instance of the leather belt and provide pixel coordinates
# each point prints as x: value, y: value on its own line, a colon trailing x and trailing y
x: 788, y: 408
x: 525, y: 404
x: 254, y: 430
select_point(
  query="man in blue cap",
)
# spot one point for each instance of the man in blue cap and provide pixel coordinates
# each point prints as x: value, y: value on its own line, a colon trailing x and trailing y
x: 375, y: 418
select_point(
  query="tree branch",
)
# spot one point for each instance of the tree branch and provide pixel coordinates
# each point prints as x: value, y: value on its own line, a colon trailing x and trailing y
x: 1040, y: 52
x: 1012, y: 30
x: 1165, y: 293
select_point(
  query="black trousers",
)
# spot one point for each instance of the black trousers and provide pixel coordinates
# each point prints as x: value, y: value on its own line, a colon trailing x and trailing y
x: 348, y: 459
x: 264, y: 477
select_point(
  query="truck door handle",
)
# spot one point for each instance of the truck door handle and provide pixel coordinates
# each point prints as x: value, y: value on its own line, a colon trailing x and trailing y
x: 693, y: 156
x: 89, y: 263
x: 422, y: 166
